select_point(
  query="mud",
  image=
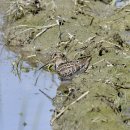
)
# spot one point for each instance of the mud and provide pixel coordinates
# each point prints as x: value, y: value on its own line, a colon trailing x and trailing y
x: 78, y: 29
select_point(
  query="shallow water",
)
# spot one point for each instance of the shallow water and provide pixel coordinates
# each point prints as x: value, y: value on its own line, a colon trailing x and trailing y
x: 121, y: 3
x: 22, y: 105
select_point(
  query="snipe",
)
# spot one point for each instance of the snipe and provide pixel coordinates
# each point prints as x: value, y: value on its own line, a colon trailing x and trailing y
x: 67, y: 69
x: 56, y: 57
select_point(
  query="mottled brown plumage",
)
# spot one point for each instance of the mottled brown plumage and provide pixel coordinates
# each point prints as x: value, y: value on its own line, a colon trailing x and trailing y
x: 67, y: 69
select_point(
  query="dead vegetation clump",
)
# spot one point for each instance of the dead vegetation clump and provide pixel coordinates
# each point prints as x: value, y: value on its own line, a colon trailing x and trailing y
x: 19, y: 8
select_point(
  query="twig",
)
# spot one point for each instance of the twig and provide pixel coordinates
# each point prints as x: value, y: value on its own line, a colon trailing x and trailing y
x: 25, y: 31
x: 37, y: 78
x: 90, y: 39
x: 91, y: 22
x: 44, y: 29
x: 42, y: 67
x: 108, y: 64
x: 35, y: 27
x: 17, y: 69
x: 40, y: 33
x: 127, y: 10
x: 109, y: 43
x: 31, y: 56
x: 19, y: 26
x: 1, y: 50
x: 95, y: 64
x: 113, y: 44
x: 67, y: 107
x: 46, y: 95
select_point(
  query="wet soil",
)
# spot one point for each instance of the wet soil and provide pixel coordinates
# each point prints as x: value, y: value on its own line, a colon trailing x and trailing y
x: 78, y: 29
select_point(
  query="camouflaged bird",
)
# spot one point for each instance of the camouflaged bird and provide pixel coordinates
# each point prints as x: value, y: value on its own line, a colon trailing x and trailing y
x: 67, y: 69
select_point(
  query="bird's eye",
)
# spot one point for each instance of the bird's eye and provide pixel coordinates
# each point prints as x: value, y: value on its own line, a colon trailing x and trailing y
x: 55, y: 54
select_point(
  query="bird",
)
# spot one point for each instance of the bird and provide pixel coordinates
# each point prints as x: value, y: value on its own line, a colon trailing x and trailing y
x: 68, y: 69
x: 56, y: 58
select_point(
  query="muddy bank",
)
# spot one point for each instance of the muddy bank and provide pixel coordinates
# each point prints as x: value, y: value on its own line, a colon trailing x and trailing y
x: 78, y: 29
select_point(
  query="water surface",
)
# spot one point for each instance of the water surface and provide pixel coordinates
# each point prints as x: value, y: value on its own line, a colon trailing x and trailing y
x: 22, y: 105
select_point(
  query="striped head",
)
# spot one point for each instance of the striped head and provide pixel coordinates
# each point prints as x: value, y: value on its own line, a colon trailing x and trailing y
x: 58, y: 58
